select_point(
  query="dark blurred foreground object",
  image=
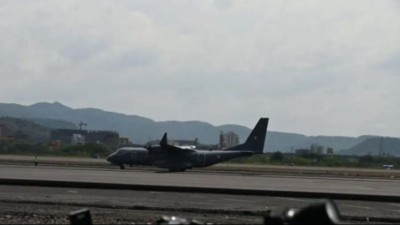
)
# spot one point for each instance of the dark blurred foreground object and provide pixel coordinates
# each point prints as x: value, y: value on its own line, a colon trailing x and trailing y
x: 177, y: 220
x: 80, y: 217
x: 323, y: 212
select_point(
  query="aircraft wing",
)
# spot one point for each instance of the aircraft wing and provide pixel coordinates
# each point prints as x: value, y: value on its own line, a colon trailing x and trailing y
x: 171, y: 148
x: 176, y: 149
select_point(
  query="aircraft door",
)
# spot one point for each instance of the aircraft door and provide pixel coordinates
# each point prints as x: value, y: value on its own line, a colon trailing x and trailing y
x: 133, y: 155
x: 201, y: 160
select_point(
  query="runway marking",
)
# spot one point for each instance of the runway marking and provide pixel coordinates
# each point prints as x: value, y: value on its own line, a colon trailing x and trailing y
x: 357, y: 206
x: 236, y: 200
x: 295, y: 199
x: 395, y: 204
x: 198, y: 196
x: 394, y: 210
x: 195, y: 180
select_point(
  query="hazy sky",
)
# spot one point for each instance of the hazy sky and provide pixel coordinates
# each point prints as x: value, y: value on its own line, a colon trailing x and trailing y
x: 313, y: 67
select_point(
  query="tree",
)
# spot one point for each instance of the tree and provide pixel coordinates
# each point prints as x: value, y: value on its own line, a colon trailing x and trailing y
x: 21, y: 135
x: 365, y: 160
x: 277, y: 156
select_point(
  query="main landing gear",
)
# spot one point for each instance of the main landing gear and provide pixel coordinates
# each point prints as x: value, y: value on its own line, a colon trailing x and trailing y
x: 121, y: 166
x: 176, y: 170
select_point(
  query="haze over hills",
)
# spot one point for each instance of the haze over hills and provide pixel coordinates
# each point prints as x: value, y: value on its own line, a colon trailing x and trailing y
x: 376, y: 146
x: 140, y: 129
x: 24, y: 129
x: 37, y: 130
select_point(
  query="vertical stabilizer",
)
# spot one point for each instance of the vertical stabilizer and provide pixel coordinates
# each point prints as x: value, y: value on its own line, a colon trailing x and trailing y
x: 164, y: 140
x: 255, y: 141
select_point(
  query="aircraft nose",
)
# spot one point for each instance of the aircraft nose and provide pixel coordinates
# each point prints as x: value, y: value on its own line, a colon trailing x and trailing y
x: 110, y: 158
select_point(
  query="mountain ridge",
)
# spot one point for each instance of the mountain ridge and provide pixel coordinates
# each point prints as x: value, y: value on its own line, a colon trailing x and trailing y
x: 140, y: 129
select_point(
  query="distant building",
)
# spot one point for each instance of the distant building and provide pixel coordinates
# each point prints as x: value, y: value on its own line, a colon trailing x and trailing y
x: 314, y: 149
x: 228, y: 140
x: 302, y: 151
x: 317, y: 149
x: 124, y: 141
x: 65, y: 135
x: 74, y: 136
x: 78, y: 139
x: 221, y: 144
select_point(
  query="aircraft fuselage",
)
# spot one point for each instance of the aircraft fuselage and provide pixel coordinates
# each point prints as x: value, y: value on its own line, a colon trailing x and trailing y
x: 178, y: 158
x: 198, y: 158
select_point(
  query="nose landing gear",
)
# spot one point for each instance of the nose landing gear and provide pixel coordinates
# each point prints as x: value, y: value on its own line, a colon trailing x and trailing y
x: 176, y: 170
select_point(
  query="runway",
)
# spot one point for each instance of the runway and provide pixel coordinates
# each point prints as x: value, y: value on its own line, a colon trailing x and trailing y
x: 205, y: 180
x: 221, y: 167
x: 111, y: 206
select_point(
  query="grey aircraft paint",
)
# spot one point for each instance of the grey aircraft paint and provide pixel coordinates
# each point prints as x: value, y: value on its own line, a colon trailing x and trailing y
x: 175, y: 158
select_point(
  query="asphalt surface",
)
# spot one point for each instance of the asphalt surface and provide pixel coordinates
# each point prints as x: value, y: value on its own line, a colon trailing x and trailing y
x: 220, y: 167
x: 49, y: 205
x: 173, y: 200
x: 110, y: 206
x: 212, y: 180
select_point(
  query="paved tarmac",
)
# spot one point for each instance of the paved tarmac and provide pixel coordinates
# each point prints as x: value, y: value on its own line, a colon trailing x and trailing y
x: 175, y: 200
x: 220, y: 167
x: 148, y: 205
x: 212, y: 180
x: 20, y: 200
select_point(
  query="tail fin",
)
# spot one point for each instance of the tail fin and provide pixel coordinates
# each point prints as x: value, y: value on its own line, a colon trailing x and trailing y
x: 255, y: 141
x: 164, y: 140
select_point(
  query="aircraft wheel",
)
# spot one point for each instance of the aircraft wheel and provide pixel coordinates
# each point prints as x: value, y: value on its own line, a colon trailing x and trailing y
x: 121, y: 166
x: 171, y: 170
x: 182, y: 169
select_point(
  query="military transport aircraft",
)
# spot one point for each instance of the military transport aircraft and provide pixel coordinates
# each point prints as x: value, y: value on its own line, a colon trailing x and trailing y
x: 175, y: 158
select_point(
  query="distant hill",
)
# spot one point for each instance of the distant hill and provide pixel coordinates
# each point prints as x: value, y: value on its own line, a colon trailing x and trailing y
x: 375, y: 146
x: 285, y: 141
x: 53, y: 123
x: 140, y: 129
x: 33, y: 129
x: 24, y: 129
